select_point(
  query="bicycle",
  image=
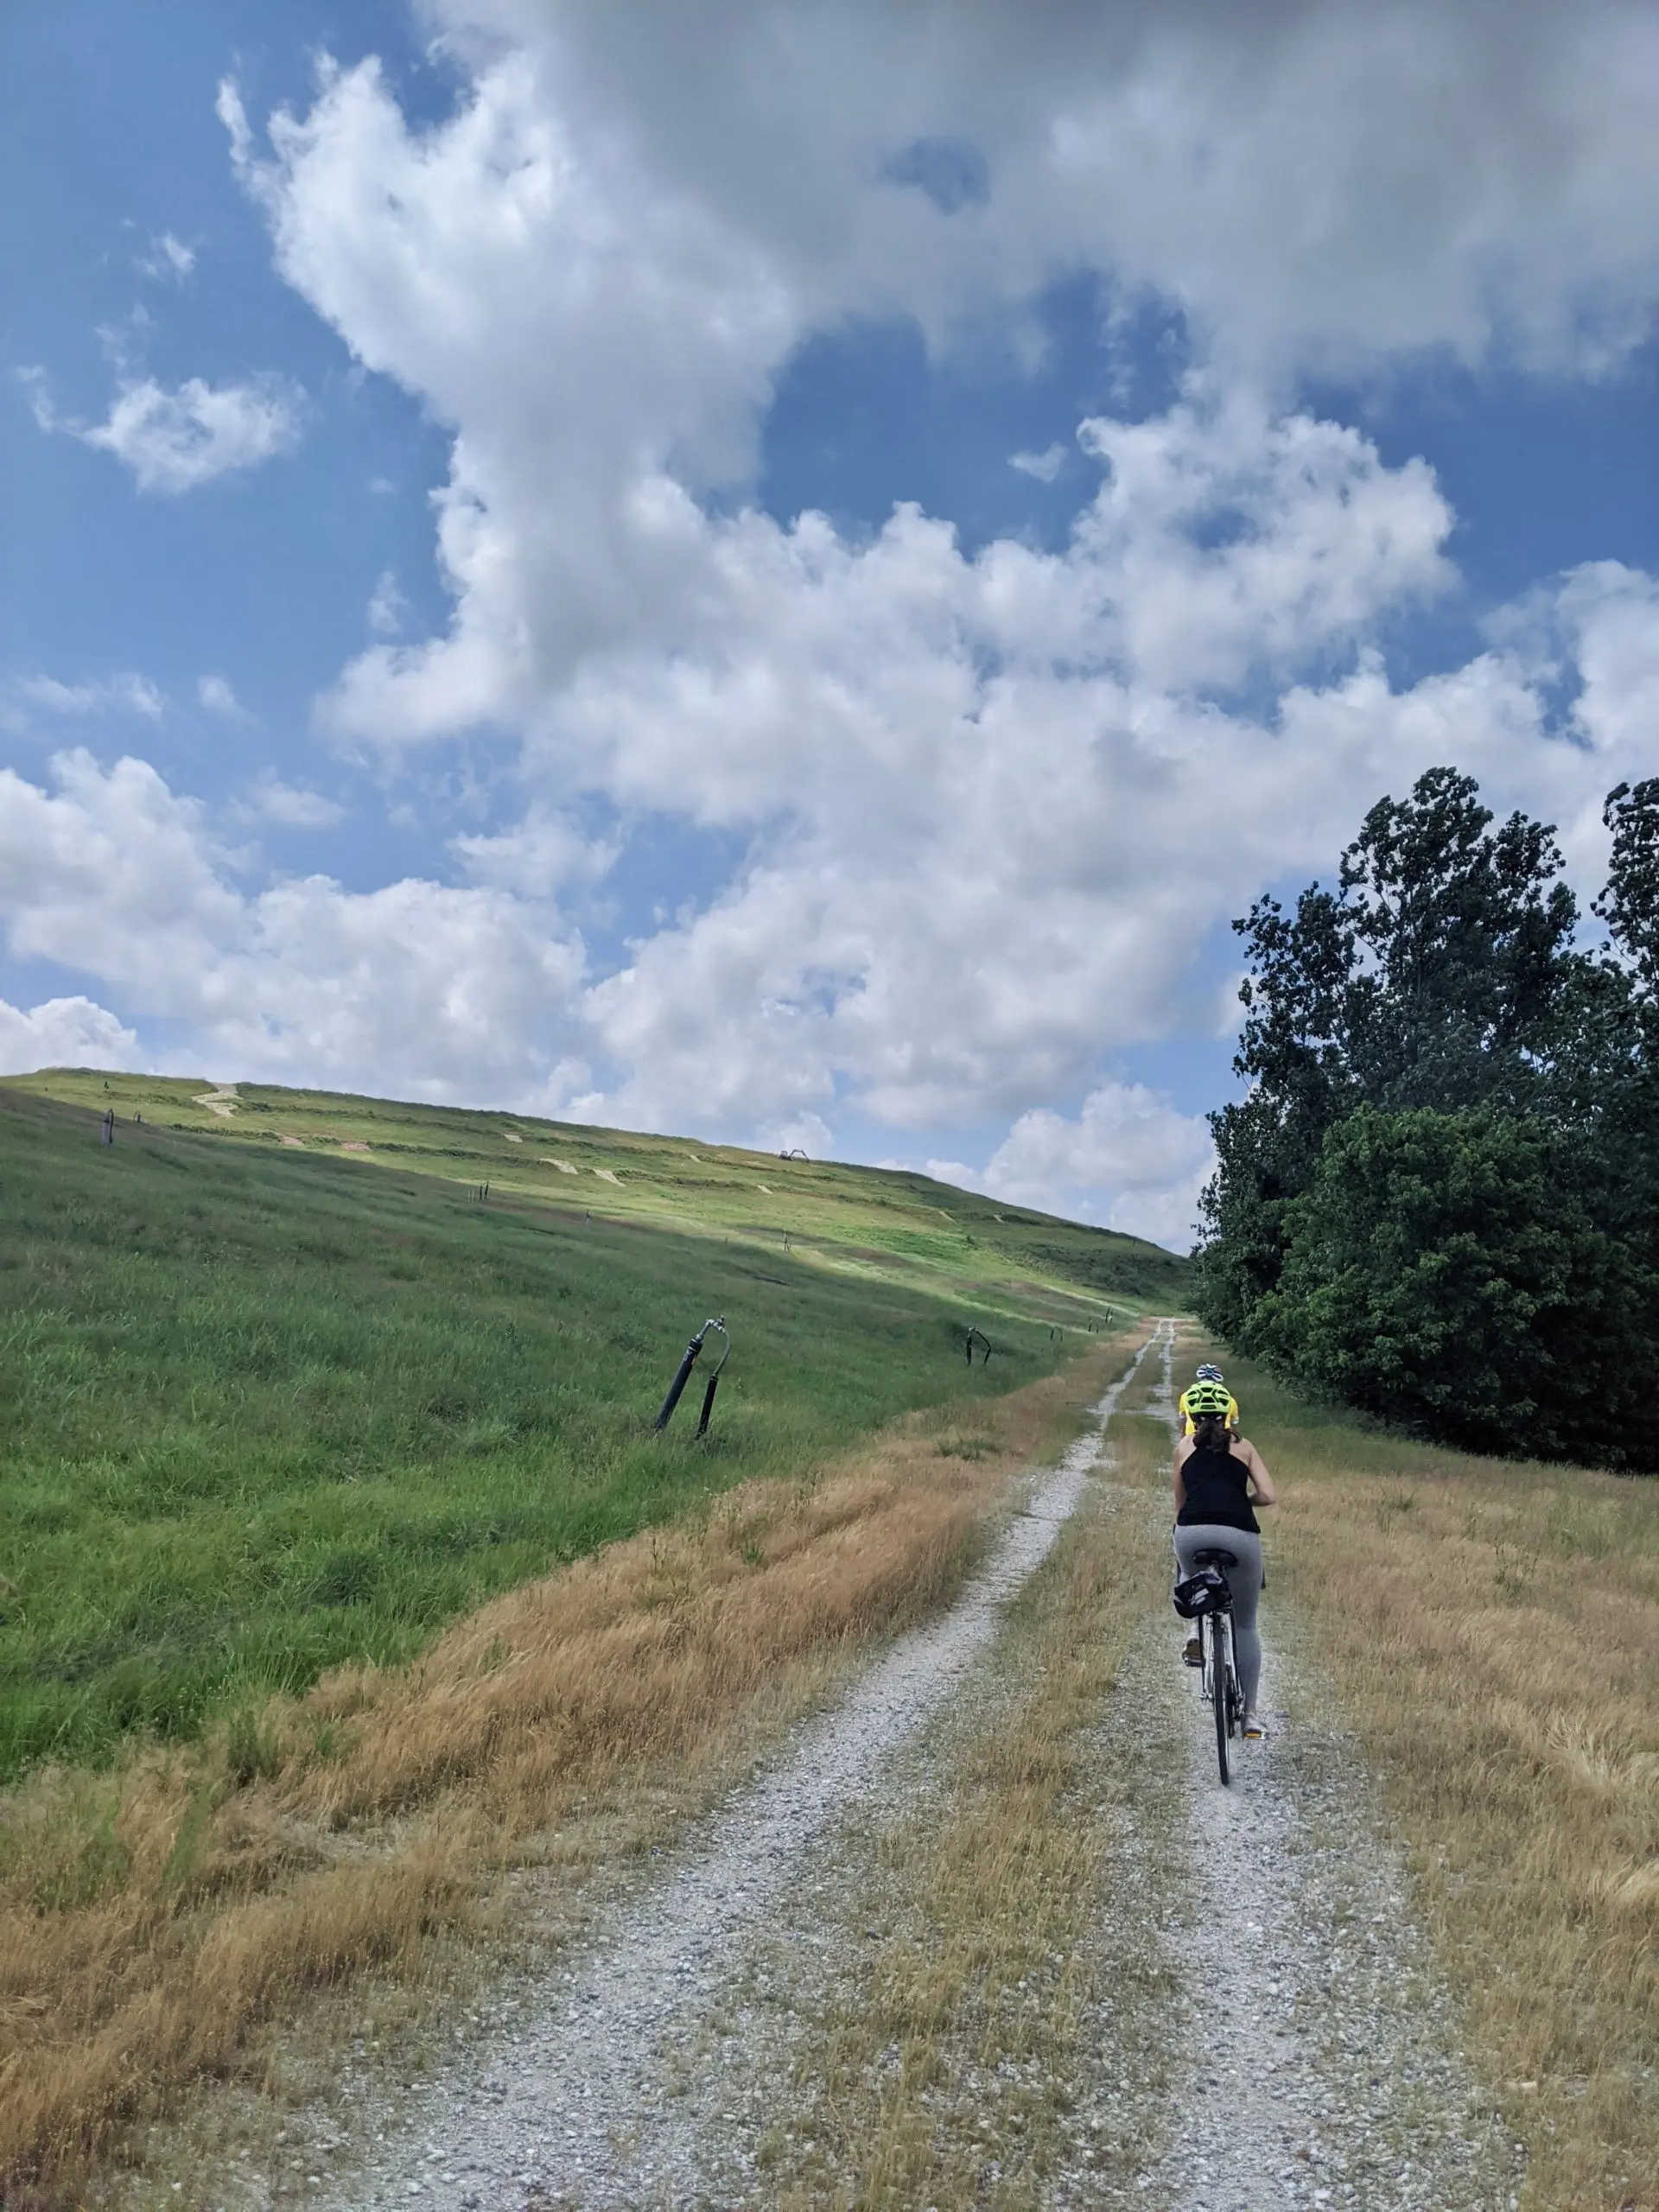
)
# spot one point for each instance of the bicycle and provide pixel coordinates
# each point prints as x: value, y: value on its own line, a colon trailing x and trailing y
x: 1203, y: 1596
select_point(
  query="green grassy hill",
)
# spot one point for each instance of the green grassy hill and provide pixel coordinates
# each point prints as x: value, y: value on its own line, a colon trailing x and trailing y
x: 278, y: 1388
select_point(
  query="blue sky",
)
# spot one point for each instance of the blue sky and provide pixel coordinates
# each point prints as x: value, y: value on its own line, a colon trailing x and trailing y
x: 413, y: 498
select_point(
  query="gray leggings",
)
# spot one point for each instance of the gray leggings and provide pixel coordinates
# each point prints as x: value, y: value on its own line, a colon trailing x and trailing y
x: 1244, y: 1580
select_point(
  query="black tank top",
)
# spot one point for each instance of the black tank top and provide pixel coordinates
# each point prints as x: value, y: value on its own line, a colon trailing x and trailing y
x: 1215, y: 1492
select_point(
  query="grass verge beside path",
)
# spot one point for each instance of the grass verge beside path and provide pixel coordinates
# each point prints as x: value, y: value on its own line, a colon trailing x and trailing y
x: 152, y: 1922
x: 1492, y: 1628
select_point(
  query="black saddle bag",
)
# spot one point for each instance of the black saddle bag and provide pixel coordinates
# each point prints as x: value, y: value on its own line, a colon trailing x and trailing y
x: 1206, y: 1592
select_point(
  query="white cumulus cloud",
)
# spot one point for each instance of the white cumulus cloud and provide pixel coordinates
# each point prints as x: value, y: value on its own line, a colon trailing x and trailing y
x: 72, y: 1033
x: 387, y: 605
x: 436, y: 991
x: 978, y: 813
x: 168, y: 257
x: 963, y: 789
x: 175, y: 440
x: 1127, y: 1159
x: 1329, y: 179
x: 123, y: 693
x: 292, y: 807
x: 1045, y: 466
x: 218, y: 695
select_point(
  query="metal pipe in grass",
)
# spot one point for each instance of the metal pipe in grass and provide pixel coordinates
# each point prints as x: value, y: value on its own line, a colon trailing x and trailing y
x: 683, y: 1375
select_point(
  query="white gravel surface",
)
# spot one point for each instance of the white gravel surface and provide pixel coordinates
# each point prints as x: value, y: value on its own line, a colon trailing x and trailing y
x: 579, y: 2108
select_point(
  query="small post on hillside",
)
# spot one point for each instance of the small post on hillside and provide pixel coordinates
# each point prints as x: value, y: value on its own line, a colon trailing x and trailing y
x: 106, y: 1127
x: 684, y: 1375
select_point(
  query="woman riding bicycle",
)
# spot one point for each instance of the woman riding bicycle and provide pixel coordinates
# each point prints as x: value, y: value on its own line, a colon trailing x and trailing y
x: 1217, y: 1482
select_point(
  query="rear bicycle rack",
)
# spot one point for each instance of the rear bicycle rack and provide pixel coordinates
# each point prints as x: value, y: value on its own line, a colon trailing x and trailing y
x: 716, y: 1322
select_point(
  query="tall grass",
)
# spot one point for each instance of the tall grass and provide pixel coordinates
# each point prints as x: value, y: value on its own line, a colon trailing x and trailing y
x: 263, y: 1414
x: 152, y: 1920
x: 1492, y: 1628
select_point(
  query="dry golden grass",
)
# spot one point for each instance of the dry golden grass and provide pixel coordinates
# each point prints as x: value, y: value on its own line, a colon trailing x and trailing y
x: 152, y: 1922
x: 1493, y: 1630
x: 946, y: 2074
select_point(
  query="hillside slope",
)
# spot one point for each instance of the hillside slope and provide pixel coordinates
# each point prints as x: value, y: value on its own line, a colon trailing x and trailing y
x: 855, y: 1217
x: 266, y: 1406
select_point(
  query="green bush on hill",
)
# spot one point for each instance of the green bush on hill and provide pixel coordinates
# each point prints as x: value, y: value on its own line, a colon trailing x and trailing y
x: 1440, y: 1272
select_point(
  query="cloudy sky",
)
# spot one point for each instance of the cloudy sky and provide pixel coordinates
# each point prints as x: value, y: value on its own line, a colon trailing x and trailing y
x: 781, y: 568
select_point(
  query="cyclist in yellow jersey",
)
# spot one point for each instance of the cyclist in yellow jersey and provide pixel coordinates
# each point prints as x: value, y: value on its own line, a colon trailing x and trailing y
x: 1208, y: 1373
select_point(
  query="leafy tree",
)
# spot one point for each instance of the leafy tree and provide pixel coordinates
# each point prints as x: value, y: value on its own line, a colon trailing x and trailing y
x: 1439, y: 1198
x: 1445, y: 1271
x: 1630, y: 905
x: 1440, y: 973
x: 1467, y: 975
x: 1628, y: 1088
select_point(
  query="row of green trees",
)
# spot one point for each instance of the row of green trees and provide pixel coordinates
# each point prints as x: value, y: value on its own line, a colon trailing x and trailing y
x: 1438, y: 1198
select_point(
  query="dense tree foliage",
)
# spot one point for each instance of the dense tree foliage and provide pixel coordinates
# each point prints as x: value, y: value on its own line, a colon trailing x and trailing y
x: 1438, y: 1198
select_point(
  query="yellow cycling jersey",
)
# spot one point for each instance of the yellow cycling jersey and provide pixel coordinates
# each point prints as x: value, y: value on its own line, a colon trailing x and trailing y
x: 1187, y: 1418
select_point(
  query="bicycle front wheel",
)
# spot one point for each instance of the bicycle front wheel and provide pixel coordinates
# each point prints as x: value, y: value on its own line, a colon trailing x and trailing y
x: 1220, y: 1673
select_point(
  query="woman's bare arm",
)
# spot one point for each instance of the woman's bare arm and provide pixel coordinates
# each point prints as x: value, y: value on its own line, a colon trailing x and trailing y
x: 1262, y: 1489
x: 1182, y: 1454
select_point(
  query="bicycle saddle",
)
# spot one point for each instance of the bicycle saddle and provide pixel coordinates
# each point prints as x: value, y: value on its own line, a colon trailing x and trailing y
x: 1218, y: 1558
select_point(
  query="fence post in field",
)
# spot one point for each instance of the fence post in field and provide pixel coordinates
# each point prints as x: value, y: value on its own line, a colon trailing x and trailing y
x: 683, y: 1375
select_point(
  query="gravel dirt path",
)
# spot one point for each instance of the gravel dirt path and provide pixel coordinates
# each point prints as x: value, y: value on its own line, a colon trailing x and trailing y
x: 1266, y: 2027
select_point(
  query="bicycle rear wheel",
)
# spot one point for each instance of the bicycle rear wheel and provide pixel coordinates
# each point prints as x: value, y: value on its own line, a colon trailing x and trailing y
x: 1221, y: 1679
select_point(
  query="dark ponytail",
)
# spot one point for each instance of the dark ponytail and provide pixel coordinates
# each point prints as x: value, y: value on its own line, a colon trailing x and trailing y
x: 1211, y: 1434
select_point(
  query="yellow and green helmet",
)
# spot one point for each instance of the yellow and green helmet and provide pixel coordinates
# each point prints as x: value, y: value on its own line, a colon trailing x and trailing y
x: 1206, y: 1398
